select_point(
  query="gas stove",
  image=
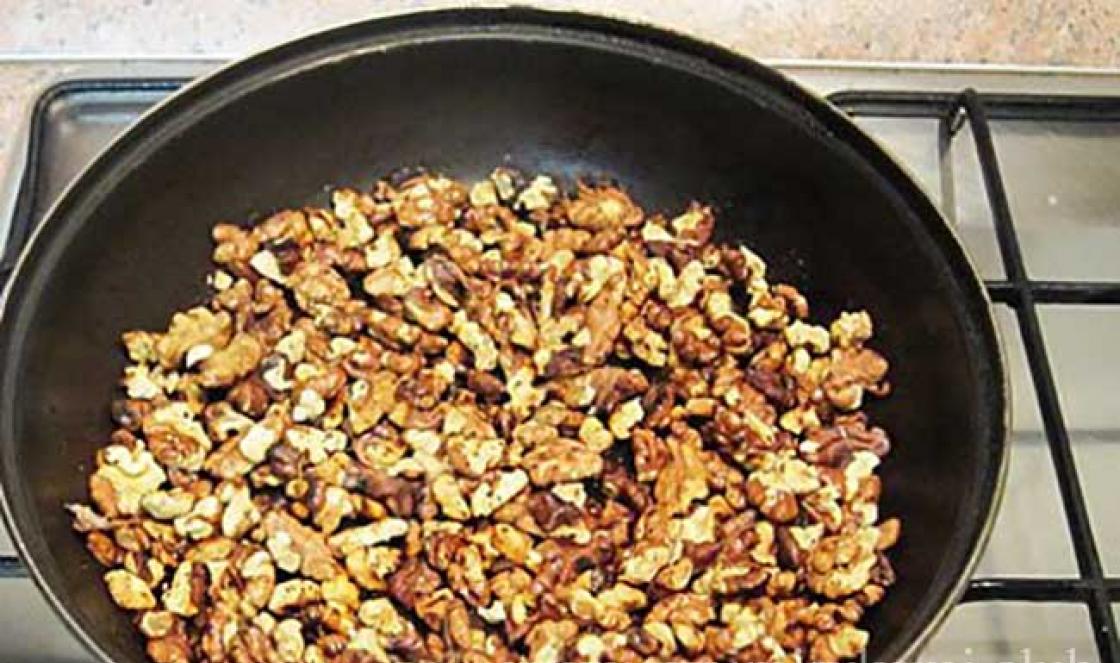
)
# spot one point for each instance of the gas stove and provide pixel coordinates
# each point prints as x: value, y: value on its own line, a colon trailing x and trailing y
x: 1025, y: 163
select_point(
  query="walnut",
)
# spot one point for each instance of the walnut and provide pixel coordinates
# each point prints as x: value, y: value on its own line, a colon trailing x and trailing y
x: 88, y: 520
x: 428, y: 200
x: 625, y: 418
x: 851, y: 373
x: 288, y: 636
x: 178, y: 599
x: 169, y: 649
x: 129, y: 591
x: 315, y: 559
x: 450, y: 497
x: 599, y: 208
x: 560, y: 460
x: 490, y: 495
x: 851, y: 329
x: 433, y: 422
x: 815, y: 338
x: 539, y: 195
x: 197, y: 327
x: 372, y: 566
x: 232, y: 362
x: 548, y: 640
x: 175, y: 437
x: 293, y: 594
x: 167, y: 505
x: 684, y: 477
x: 157, y: 623
x: 130, y: 475
x: 315, y: 284
x: 349, y: 540
x: 476, y: 340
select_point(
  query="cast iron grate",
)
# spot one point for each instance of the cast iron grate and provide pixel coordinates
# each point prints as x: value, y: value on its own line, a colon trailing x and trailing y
x: 1092, y: 588
x: 953, y: 110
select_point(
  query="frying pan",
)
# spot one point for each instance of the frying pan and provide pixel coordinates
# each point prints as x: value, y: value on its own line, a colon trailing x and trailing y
x: 462, y: 91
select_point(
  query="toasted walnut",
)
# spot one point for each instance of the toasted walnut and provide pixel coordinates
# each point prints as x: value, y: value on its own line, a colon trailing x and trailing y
x: 492, y: 494
x: 625, y: 418
x: 129, y: 475
x: 560, y: 460
x: 179, y: 597
x: 497, y: 423
x: 288, y: 636
x: 240, y: 514
x: 349, y: 540
x: 428, y: 200
x: 372, y: 566
x: 539, y: 195
x: 157, y: 623
x: 851, y: 329
x: 599, y: 208
x: 234, y: 361
x: 167, y: 505
x: 293, y: 594
x: 197, y: 327
x: 129, y: 591
x: 450, y: 497
x: 476, y: 340
x: 295, y: 546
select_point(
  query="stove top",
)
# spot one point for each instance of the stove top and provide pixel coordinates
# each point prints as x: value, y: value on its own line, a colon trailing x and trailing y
x: 1024, y: 163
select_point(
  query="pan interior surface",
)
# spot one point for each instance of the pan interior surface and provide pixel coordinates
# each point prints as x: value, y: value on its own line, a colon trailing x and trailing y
x: 463, y: 92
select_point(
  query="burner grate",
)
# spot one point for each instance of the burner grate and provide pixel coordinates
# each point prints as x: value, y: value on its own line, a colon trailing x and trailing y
x: 1092, y: 588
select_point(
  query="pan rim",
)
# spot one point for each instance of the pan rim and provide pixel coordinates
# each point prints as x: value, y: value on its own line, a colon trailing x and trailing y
x: 453, y: 21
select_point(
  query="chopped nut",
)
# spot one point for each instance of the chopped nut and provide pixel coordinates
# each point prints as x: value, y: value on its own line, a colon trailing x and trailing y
x: 178, y: 598
x: 131, y: 475
x: 288, y: 636
x: 349, y: 540
x: 538, y: 195
x: 625, y: 418
x: 129, y: 591
x: 560, y: 460
x: 240, y: 514
x: 198, y: 326
x: 851, y: 329
x: 293, y: 594
x: 489, y: 496
x: 167, y: 505
x: 476, y: 340
x: 450, y: 498
x: 495, y: 423
x: 157, y: 623
x: 236, y: 360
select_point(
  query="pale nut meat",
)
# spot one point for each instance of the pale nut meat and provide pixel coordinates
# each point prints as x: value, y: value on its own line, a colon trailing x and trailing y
x: 497, y: 422
x: 129, y: 591
x: 131, y: 475
x: 288, y: 636
x: 490, y: 495
x: 167, y: 504
x: 293, y: 594
x: 198, y: 326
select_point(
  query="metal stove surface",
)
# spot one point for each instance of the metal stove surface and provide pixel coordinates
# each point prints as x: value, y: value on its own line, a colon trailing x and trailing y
x: 1044, y: 589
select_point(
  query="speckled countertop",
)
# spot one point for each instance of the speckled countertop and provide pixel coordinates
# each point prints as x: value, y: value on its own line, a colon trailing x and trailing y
x: 1070, y: 32
x: 1080, y: 33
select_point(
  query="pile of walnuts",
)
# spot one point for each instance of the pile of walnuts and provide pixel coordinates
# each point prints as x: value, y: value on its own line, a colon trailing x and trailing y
x: 495, y: 423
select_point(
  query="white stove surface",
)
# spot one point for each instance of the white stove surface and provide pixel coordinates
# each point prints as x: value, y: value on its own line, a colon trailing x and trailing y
x: 1062, y: 181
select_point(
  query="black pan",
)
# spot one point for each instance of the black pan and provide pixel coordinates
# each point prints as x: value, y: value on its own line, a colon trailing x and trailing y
x: 461, y: 91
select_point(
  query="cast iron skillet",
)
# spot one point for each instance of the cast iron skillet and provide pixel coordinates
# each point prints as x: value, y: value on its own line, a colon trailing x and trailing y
x: 462, y: 91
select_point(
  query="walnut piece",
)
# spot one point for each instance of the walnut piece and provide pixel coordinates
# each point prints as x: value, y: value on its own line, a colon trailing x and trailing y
x: 497, y: 422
